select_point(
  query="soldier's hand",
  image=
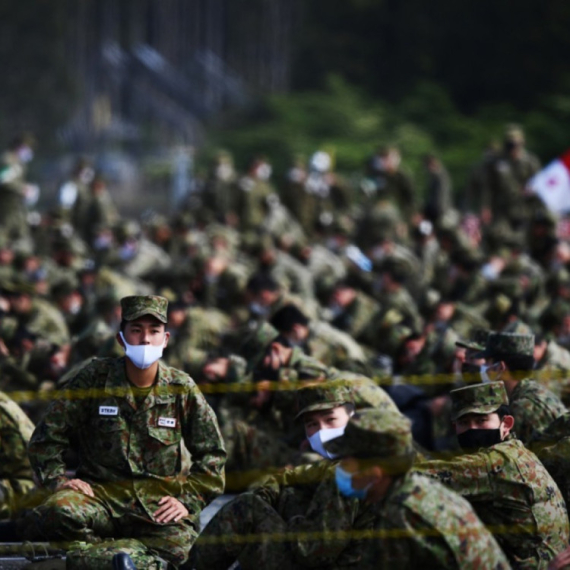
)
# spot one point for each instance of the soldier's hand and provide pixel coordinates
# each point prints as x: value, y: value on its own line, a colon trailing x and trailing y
x: 78, y: 485
x: 561, y: 560
x: 171, y: 509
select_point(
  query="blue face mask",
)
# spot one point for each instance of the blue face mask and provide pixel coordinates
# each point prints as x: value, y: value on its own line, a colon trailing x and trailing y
x: 344, y: 483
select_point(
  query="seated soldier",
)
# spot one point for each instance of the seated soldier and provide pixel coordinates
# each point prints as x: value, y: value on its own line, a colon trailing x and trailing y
x: 300, y: 500
x: 510, y: 358
x: 412, y: 521
x: 16, y: 477
x: 129, y: 434
x: 507, y: 485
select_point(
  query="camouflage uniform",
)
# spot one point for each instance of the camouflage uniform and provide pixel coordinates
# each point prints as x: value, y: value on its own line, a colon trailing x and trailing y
x: 533, y: 406
x: 509, y: 488
x: 130, y: 454
x: 15, y: 470
x: 552, y: 447
x: 300, y: 500
x: 417, y: 523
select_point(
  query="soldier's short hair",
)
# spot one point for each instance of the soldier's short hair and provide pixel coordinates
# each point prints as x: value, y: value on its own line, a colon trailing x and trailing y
x: 261, y: 282
x: 287, y: 317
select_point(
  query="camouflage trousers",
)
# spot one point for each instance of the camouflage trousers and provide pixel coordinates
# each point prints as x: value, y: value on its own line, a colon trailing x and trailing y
x: 68, y: 515
x: 248, y: 530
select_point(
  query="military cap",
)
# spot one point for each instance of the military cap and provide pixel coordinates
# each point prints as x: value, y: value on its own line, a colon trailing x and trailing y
x: 136, y: 306
x: 18, y: 286
x: 374, y: 434
x: 500, y: 345
x: 477, y: 399
x: 477, y: 341
x: 514, y: 133
x: 322, y: 396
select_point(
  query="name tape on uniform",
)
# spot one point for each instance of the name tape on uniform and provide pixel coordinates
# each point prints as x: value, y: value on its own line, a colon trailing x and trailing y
x: 108, y: 411
x: 167, y: 422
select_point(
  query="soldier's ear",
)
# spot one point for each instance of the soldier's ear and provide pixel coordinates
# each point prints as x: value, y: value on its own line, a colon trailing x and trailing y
x: 508, y: 422
x: 119, y: 339
x: 166, y: 338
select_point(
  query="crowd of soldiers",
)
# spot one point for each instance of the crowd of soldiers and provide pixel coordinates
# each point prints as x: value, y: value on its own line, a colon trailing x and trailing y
x: 378, y: 367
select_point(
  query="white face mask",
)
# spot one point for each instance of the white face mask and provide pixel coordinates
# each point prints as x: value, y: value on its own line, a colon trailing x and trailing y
x: 142, y: 355
x: 321, y: 437
x: 485, y: 375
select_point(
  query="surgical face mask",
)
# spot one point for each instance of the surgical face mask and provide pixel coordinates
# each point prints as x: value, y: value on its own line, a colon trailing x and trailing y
x: 317, y: 440
x: 344, y: 483
x: 484, y: 372
x: 142, y: 355
x: 258, y: 309
x: 474, y: 439
x: 75, y: 307
x: 25, y: 154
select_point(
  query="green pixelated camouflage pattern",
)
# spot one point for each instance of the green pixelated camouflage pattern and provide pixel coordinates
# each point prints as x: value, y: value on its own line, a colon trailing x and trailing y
x: 16, y: 477
x: 477, y: 399
x: 130, y: 457
x: 323, y: 396
x: 534, y: 408
x: 97, y: 556
x: 424, y: 525
x: 376, y: 434
x: 136, y: 306
x: 514, y: 496
x: 505, y: 344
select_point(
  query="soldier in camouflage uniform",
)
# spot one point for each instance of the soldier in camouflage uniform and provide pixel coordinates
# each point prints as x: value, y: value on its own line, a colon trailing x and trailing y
x: 412, y: 521
x: 15, y: 469
x: 509, y: 357
x: 509, y: 488
x: 300, y: 500
x: 128, y: 433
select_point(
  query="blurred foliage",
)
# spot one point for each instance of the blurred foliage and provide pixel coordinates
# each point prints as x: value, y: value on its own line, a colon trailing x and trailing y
x: 350, y: 124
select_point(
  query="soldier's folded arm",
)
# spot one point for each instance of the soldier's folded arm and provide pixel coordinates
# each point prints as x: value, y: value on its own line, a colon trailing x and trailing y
x: 468, y: 475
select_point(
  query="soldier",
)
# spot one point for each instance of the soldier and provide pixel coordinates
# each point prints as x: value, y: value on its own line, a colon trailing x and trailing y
x: 552, y: 363
x: 128, y: 435
x: 415, y: 522
x: 509, y: 488
x: 320, y: 340
x: 509, y: 357
x: 508, y: 176
x: 299, y: 501
x: 438, y: 191
x: 15, y: 469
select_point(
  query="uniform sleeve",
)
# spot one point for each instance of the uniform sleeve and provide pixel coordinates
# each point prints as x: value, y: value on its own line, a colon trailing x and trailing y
x: 15, y: 470
x: 203, y: 439
x: 468, y: 475
x: 326, y: 526
x: 52, y: 436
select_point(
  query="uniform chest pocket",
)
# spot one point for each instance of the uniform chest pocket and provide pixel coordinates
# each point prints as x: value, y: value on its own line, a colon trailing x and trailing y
x: 162, y: 454
x: 105, y: 439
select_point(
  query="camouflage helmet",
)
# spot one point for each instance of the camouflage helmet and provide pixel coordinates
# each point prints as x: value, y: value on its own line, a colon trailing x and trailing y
x: 501, y: 345
x: 514, y: 133
x: 380, y: 435
x: 322, y: 396
x: 136, y: 306
x: 477, y: 399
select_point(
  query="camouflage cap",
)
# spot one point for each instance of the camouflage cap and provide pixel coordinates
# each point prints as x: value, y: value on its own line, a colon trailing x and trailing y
x: 500, y: 345
x: 477, y: 340
x: 477, y: 399
x: 323, y: 396
x: 374, y: 434
x: 136, y: 306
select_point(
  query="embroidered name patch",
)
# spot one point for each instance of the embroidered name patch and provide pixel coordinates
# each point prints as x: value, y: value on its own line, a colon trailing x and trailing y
x: 108, y: 411
x: 167, y: 422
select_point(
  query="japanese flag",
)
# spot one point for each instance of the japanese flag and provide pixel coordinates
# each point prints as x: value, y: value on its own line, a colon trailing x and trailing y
x: 552, y: 184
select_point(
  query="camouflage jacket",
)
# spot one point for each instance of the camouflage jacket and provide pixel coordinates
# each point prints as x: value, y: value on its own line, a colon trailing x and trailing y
x: 514, y: 496
x: 421, y: 524
x: 534, y: 408
x: 308, y: 499
x: 15, y: 470
x: 125, y: 450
